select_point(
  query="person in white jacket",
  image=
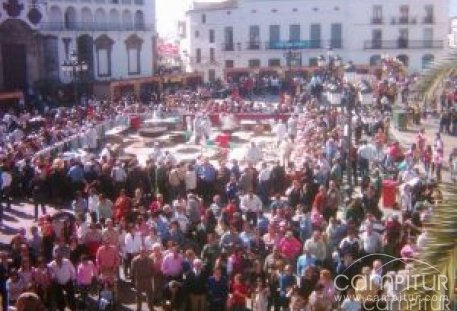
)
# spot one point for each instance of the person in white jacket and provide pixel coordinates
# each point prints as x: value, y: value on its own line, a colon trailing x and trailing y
x: 133, y: 242
x: 280, y: 131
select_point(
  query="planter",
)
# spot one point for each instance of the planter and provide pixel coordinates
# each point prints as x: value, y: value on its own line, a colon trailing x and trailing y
x: 152, y: 132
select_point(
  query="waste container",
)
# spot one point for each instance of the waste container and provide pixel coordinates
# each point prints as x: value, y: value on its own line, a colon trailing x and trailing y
x: 389, y: 193
x: 135, y: 122
x: 223, y: 140
x: 401, y: 120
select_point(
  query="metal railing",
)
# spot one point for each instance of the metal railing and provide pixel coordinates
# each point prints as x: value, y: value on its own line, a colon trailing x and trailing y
x: 94, y: 27
x: 377, y: 21
x: 404, y: 20
x: 428, y: 20
x: 228, y: 46
x: 402, y: 44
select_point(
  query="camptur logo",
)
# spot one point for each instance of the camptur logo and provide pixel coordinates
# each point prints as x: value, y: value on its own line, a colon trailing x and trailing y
x: 377, y: 289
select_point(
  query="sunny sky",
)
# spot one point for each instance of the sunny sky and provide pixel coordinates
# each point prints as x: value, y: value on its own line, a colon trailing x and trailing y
x: 169, y: 11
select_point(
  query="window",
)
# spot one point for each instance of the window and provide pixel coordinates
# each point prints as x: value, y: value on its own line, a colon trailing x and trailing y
x: 211, y: 75
x: 275, y: 35
x: 133, y: 44
x: 134, y: 61
x: 274, y: 11
x: 313, y: 61
x: 404, y: 59
x: 377, y: 14
x: 376, y: 39
x: 427, y: 59
x: 294, y: 33
x: 229, y: 63
x: 294, y: 10
x: 254, y: 63
x: 428, y: 37
x: 429, y: 14
x: 228, y: 39
x: 212, y: 55
x: 211, y: 36
x: 198, y: 56
x: 315, y: 36
x: 254, y: 37
x: 404, y: 14
x: 336, y: 36
x: 375, y: 60
x: 197, y: 33
x: 103, y: 47
x: 139, y: 2
x: 274, y: 62
x: 403, y: 38
x: 203, y: 18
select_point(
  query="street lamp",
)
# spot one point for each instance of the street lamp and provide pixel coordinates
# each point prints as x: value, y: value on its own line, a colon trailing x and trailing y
x: 75, y: 69
x: 350, y: 98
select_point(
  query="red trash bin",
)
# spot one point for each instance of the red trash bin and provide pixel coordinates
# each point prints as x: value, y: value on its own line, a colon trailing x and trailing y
x: 223, y: 140
x: 389, y: 193
x: 135, y: 122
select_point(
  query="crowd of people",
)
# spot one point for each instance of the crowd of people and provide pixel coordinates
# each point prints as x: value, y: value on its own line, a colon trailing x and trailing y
x: 200, y: 235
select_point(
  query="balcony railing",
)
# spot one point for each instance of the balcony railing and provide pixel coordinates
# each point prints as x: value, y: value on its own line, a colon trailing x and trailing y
x: 283, y: 45
x: 228, y: 46
x: 304, y: 44
x: 254, y: 45
x: 402, y: 44
x: 94, y: 27
x: 404, y: 20
x: 377, y: 21
x: 429, y: 20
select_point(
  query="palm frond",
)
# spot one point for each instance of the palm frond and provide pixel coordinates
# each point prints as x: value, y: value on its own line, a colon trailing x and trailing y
x: 430, y: 83
x: 437, y: 263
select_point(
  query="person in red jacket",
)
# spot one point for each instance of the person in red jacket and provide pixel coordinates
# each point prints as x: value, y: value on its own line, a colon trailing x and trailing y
x: 122, y: 206
x: 239, y: 293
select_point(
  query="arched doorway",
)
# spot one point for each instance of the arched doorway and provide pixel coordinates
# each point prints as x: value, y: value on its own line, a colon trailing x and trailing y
x: 404, y: 59
x: 375, y: 60
x: 86, y: 53
x: 427, y: 59
x: 20, y: 55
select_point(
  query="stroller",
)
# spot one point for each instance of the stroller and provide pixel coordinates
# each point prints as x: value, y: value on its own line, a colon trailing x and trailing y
x: 107, y: 292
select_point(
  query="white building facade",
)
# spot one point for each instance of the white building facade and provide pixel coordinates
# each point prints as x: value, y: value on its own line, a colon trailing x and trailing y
x: 115, y: 38
x: 453, y: 33
x: 293, y: 33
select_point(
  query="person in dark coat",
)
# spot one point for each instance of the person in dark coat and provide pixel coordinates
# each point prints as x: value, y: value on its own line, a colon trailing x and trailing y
x: 196, y: 287
x: 39, y: 193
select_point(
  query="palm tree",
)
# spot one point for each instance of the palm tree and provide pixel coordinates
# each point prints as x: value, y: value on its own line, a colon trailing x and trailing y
x: 437, y: 263
x: 431, y: 82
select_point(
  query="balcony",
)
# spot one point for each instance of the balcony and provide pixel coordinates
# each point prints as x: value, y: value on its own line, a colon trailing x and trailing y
x: 402, y: 44
x: 94, y: 27
x: 303, y: 44
x: 254, y: 45
x: 428, y: 20
x: 377, y: 21
x: 228, y: 46
x: 403, y: 20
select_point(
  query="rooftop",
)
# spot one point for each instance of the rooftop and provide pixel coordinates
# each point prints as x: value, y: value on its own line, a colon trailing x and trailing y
x: 200, y: 6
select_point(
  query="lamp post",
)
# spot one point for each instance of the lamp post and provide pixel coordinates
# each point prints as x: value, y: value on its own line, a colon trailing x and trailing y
x: 350, y: 97
x: 74, y: 68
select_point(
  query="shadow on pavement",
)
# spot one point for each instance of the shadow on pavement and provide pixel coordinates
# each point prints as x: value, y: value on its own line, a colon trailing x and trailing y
x: 20, y: 214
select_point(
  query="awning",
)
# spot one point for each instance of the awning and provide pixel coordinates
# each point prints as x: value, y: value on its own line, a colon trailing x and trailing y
x: 11, y: 95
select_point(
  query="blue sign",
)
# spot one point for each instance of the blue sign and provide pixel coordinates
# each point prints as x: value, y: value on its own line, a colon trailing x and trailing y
x: 282, y: 45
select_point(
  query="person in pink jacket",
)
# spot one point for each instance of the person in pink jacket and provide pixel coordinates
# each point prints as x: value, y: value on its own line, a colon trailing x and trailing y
x: 85, y: 275
x: 289, y: 246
